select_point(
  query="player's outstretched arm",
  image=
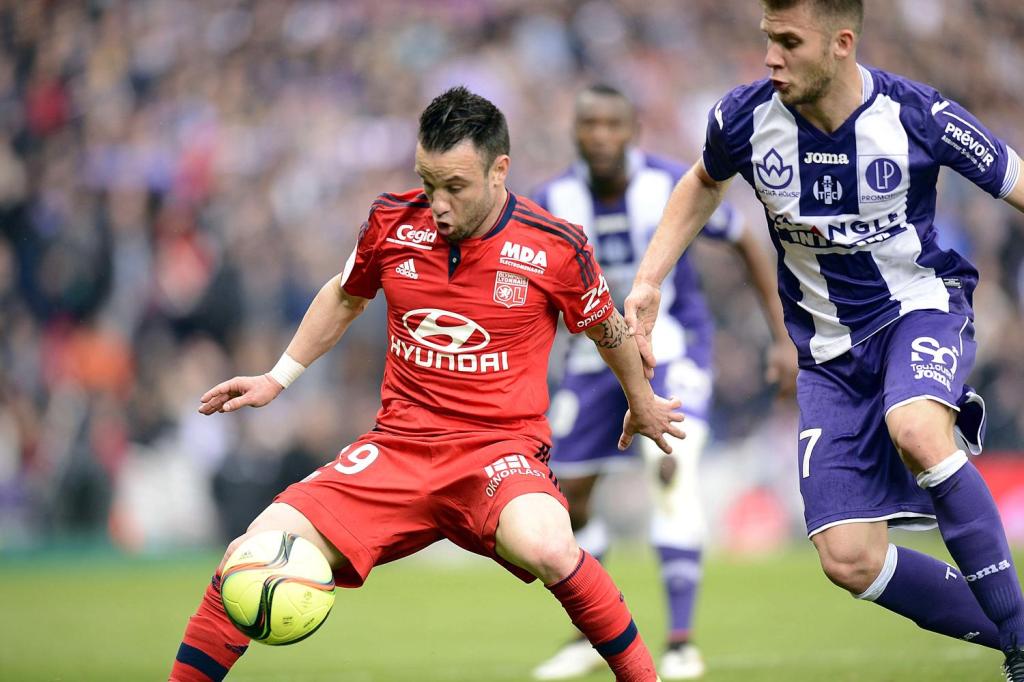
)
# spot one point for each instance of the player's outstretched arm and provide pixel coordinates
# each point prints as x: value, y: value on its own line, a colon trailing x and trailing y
x: 782, y: 360
x: 694, y: 199
x: 324, y: 323
x: 648, y: 414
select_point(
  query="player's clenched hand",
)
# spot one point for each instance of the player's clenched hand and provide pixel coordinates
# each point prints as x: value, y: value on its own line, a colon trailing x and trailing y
x: 654, y: 420
x: 239, y: 392
x: 641, y: 307
x: 782, y: 367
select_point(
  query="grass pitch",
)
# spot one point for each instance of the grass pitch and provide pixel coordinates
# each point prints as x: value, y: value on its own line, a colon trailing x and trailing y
x: 773, y: 619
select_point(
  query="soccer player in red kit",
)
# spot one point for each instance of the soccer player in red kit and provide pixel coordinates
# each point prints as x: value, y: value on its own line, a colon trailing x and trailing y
x: 475, y: 278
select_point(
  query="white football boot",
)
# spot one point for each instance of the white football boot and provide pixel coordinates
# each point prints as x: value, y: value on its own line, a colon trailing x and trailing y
x: 575, y: 659
x: 684, y: 663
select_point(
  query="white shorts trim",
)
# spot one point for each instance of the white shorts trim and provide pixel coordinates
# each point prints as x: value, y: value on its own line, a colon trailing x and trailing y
x: 921, y: 397
x: 926, y: 522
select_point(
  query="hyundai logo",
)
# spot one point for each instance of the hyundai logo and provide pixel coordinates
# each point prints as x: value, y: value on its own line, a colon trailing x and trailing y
x: 433, y: 327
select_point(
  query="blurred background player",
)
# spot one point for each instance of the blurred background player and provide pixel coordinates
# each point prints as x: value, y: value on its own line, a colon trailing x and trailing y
x: 845, y: 160
x: 616, y: 192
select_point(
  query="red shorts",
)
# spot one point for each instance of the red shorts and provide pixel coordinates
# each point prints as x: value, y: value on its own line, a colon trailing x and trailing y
x: 388, y: 496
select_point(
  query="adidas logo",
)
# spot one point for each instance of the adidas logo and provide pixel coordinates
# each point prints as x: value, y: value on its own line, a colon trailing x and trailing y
x: 408, y: 269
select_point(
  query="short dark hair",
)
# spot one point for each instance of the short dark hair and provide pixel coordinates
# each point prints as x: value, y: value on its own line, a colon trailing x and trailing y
x: 458, y: 114
x: 605, y: 90
x: 831, y: 10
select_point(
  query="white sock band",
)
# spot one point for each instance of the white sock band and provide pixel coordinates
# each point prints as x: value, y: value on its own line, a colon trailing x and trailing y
x: 286, y: 370
x: 929, y: 478
x: 876, y: 588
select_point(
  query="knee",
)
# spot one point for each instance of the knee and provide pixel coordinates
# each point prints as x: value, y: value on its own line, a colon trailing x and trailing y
x: 853, y: 567
x: 232, y: 546
x: 916, y: 439
x: 922, y: 433
x: 552, y: 558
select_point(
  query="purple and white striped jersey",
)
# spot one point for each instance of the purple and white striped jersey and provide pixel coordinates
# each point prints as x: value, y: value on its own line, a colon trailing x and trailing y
x: 619, y: 233
x: 850, y: 213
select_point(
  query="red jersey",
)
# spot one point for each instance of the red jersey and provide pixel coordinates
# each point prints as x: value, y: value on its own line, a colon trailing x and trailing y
x: 471, y: 323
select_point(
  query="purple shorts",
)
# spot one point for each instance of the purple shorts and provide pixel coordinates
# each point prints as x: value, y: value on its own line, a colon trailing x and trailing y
x: 587, y: 410
x: 849, y: 468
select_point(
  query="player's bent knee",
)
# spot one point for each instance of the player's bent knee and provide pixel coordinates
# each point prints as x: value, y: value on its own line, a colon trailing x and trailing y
x: 922, y: 432
x: 852, y: 557
x: 286, y: 518
x: 853, y: 568
x: 534, y: 533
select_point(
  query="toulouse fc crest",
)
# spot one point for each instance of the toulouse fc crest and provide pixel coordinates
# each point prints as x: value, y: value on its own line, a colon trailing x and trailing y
x: 510, y: 289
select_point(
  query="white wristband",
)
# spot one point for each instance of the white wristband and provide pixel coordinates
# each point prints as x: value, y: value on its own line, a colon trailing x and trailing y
x: 286, y: 370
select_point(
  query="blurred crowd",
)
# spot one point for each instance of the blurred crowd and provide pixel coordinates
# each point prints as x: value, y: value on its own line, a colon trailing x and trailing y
x: 179, y: 177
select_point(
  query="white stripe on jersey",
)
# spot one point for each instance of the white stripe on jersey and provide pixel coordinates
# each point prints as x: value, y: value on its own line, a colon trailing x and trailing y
x: 881, y: 135
x: 569, y: 198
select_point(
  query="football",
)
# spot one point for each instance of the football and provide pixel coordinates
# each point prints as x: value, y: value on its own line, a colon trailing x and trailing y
x: 277, y: 588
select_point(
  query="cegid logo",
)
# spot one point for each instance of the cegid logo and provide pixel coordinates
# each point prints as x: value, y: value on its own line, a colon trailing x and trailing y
x: 445, y: 331
x: 408, y: 235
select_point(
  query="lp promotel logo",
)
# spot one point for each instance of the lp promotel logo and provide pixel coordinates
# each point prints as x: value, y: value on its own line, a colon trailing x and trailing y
x: 445, y: 331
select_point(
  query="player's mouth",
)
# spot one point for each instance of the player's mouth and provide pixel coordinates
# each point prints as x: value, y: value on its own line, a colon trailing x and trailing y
x: 780, y: 86
x: 443, y: 226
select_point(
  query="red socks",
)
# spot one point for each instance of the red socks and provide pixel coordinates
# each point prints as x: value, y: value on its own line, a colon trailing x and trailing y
x: 211, y: 644
x: 598, y: 610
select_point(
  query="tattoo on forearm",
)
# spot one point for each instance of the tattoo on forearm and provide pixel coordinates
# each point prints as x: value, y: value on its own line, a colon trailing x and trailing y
x: 613, y: 332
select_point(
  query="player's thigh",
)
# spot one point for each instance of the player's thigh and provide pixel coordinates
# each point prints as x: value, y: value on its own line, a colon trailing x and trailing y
x: 929, y: 356
x: 922, y: 432
x: 848, y: 467
x: 534, y: 533
x: 283, y: 517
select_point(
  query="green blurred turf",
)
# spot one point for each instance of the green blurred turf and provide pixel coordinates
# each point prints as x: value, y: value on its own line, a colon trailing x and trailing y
x: 777, y: 618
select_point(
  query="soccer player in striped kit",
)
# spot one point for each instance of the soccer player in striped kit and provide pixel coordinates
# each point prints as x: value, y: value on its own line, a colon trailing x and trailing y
x: 474, y: 278
x: 844, y: 159
x: 616, y: 193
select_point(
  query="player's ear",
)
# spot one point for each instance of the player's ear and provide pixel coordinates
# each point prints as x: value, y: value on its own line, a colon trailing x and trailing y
x: 499, y: 169
x: 844, y: 43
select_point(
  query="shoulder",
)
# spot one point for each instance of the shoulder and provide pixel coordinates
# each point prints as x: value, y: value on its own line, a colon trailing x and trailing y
x: 903, y: 90
x: 919, y: 103
x: 533, y: 224
x: 549, y: 243
x: 397, y: 204
x: 396, y: 209
x: 529, y: 217
x: 741, y: 101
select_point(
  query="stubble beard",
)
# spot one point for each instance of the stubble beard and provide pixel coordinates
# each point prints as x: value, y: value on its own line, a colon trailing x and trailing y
x: 819, y: 82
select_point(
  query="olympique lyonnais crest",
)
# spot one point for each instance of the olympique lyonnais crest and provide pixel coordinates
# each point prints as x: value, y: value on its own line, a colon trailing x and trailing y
x: 510, y: 289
